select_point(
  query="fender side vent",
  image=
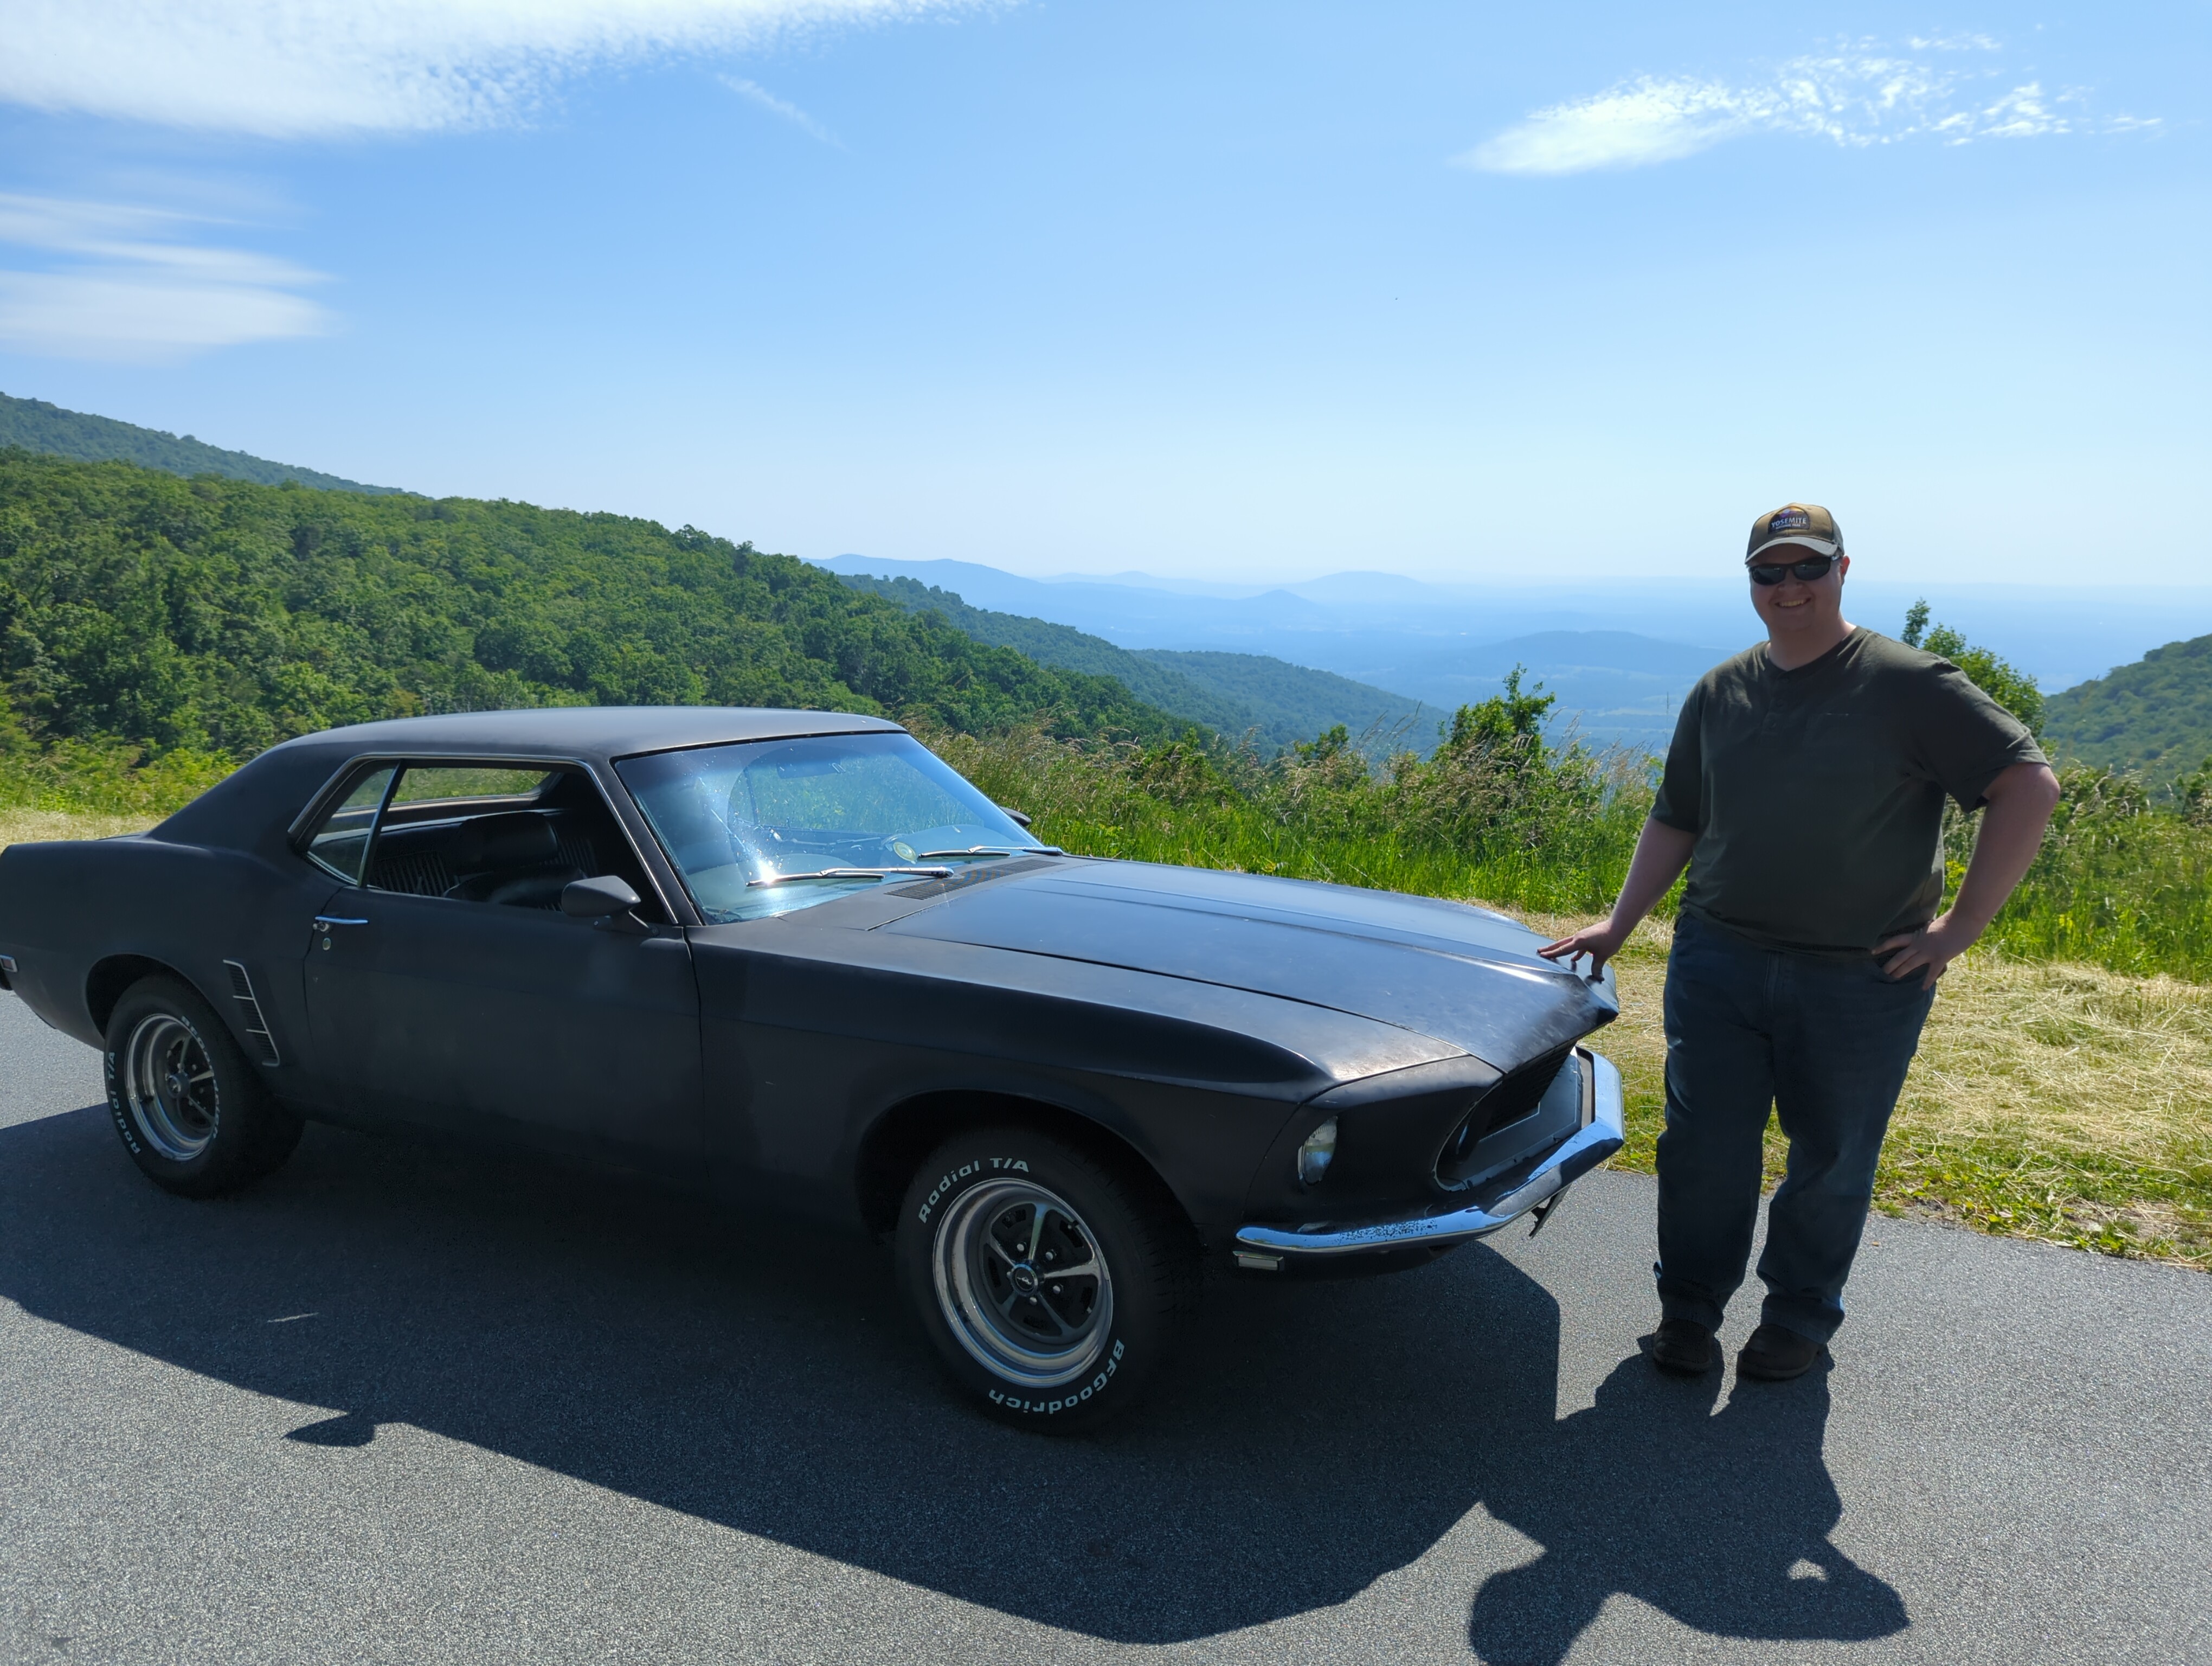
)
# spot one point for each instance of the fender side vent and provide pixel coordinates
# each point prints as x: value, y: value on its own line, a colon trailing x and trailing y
x: 249, y: 1009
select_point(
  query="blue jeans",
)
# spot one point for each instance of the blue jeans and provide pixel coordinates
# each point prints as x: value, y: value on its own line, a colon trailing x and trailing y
x: 1825, y: 1044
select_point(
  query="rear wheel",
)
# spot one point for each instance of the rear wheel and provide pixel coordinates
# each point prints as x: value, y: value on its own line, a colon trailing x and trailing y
x: 189, y: 1108
x: 1051, y: 1287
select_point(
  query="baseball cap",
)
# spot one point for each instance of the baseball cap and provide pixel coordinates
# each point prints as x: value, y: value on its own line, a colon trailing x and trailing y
x: 1806, y: 524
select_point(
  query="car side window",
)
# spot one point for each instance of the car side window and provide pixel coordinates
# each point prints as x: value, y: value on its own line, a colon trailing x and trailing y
x: 463, y: 784
x: 492, y: 833
x: 340, y: 842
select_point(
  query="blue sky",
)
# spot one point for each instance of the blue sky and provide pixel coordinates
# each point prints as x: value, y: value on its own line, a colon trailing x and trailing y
x: 1234, y: 291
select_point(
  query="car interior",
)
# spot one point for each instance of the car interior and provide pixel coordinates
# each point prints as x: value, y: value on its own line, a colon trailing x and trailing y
x: 516, y: 848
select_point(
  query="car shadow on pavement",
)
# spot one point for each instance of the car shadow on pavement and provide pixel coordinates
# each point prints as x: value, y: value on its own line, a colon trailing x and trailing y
x: 1312, y: 1439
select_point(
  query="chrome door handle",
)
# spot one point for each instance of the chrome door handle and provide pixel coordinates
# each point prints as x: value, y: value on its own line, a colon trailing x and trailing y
x: 326, y: 921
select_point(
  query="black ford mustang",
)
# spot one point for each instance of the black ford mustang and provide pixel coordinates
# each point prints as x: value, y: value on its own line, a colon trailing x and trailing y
x: 792, y: 956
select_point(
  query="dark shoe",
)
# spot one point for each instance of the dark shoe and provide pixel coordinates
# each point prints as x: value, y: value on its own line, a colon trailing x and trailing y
x: 1775, y: 1355
x: 1683, y: 1346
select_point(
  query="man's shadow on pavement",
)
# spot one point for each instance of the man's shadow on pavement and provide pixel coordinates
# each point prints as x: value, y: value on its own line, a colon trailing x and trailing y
x: 1719, y: 1521
x: 1311, y: 1440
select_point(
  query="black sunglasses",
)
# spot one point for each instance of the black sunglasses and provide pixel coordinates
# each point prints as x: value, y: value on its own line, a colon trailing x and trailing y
x: 1813, y: 567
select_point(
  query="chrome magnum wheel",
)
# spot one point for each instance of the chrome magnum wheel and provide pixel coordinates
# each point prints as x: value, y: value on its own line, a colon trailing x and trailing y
x: 1051, y: 1280
x: 168, y: 1085
x: 187, y: 1106
x: 1022, y: 1283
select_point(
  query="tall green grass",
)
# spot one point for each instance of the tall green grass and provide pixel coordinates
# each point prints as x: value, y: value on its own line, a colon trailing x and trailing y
x: 1493, y: 816
x: 2124, y: 880
x: 100, y: 777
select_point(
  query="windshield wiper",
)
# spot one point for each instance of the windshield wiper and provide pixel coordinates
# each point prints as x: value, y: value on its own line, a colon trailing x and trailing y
x: 998, y: 850
x: 853, y: 873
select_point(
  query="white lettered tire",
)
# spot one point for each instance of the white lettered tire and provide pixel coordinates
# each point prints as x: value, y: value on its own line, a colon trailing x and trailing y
x: 188, y: 1107
x: 1051, y: 1284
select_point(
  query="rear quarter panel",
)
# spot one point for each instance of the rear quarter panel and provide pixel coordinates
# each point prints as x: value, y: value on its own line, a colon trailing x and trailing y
x: 65, y: 908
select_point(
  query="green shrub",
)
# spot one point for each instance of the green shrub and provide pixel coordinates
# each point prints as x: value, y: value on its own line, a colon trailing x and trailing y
x: 2124, y: 880
x: 100, y: 776
x: 1494, y: 813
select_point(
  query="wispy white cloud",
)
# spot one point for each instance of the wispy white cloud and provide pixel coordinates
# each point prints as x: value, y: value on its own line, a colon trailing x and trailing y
x: 1857, y: 96
x: 290, y: 68
x: 1951, y: 43
x: 791, y: 112
x: 119, y: 281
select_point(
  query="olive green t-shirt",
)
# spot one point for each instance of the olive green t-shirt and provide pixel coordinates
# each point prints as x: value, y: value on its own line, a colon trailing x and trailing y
x: 1817, y: 794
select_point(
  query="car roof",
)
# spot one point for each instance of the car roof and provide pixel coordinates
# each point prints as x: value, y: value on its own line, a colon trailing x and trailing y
x: 594, y: 734
x: 254, y: 806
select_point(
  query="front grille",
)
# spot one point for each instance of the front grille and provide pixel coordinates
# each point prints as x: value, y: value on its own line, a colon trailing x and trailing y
x: 1515, y: 1096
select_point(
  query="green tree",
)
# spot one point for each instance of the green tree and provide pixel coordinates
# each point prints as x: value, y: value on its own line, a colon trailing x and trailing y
x: 1511, y: 721
x: 2011, y: 688
x: 2004, y: 681
x: 220, y: 615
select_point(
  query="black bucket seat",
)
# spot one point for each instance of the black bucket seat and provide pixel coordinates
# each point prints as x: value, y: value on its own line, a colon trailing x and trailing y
x: 514, y: 858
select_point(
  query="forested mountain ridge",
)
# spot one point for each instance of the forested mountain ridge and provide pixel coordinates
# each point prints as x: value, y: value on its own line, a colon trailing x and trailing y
x: 223, y: 616
x: 1230, y: 693
x: 35, y: 425
x: 2154, y: 717
x: 1300, y: 701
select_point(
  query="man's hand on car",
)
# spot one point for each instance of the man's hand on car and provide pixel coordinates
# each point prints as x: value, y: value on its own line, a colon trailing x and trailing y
x: 1599, y: 942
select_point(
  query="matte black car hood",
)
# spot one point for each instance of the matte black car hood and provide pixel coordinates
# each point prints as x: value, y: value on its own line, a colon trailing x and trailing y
x: 1461, y: 974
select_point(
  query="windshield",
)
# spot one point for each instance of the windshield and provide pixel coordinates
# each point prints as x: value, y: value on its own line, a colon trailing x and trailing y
x: 756, y: 829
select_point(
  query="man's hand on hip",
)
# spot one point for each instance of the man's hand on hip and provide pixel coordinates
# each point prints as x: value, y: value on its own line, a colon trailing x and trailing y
x: 1927, y: 951
x: 2019, y: 802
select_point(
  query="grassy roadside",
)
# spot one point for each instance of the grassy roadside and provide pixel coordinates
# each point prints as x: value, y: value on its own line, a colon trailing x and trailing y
x: 28, y: 826
x: 2049, y: 1101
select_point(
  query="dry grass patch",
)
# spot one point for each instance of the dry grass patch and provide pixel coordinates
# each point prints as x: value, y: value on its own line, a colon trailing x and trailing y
x: 29, y: 826
x: 2049, y: 1101
x: 2064, y: 1056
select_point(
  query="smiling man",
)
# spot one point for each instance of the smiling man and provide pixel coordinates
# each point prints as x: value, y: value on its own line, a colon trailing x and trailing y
x: 1804, y: 789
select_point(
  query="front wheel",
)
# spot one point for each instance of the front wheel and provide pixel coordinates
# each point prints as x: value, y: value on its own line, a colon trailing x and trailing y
x: 189, y: 1108
x: 1051, y: 1287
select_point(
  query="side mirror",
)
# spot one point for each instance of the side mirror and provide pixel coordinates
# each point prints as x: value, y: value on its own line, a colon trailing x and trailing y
x: 600, y: 898
x: 1018, y: 819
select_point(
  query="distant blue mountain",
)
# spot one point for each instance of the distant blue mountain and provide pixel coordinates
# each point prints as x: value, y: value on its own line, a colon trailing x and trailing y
x: 1275, y: 703
x: 1614, y: 687
x: 1619, y: 652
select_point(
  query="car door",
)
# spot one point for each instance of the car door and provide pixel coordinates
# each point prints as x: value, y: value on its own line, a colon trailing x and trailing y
x: 429, y: 1002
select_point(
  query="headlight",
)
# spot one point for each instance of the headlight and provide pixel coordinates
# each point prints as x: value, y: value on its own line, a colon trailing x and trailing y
x: 1314, y: 1156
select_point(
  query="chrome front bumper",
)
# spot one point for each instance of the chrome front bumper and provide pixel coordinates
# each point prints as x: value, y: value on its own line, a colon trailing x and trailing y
x: 1264, y: 1247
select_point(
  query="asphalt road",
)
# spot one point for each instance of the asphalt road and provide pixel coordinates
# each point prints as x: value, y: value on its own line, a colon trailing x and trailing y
x: 404, y: 1405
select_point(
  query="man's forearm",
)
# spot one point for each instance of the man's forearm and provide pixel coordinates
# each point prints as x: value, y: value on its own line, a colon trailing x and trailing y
x: 1662, y: 854
x: 2019, y: 804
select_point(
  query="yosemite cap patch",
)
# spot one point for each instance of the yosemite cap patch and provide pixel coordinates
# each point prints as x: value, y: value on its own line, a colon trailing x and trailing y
x: 1807, y: 525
